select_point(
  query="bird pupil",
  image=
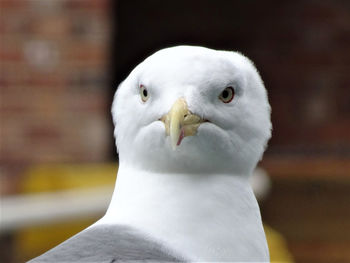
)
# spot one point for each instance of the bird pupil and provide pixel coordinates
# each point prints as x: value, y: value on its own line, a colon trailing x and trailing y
x: 225, y: 94
x: 144, y: 92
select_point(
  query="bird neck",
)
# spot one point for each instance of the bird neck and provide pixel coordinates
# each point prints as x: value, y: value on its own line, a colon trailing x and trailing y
x: 205, y: 217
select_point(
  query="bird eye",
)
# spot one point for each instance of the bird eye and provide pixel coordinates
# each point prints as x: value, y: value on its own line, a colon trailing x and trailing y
x: 144, y: 93
x: 226, y: 96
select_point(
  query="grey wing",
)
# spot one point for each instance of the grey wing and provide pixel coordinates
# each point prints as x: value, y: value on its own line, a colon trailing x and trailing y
x: 108, y: 244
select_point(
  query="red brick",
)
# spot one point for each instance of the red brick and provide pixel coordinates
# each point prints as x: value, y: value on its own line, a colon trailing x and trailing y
x: 10, y: 55
x: 43, y: 134
x: 87, y: 4
x: 86, y: 52
x: 52, y: 26
x: 13, y: 4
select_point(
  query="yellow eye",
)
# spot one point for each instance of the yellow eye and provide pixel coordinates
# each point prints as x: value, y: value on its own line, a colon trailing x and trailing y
x: 227, y: 95
x: 144, y: 93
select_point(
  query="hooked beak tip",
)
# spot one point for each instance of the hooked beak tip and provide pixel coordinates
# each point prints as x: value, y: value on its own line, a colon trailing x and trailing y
x: 180, y: 122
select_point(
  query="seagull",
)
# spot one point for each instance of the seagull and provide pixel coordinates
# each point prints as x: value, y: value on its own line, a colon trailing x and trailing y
x: 191, y: 124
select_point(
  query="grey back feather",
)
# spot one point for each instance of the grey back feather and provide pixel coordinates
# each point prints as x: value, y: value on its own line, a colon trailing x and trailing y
x: 110, y: 244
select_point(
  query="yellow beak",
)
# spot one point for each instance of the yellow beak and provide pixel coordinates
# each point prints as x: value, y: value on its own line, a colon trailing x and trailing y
x: 180, y: 122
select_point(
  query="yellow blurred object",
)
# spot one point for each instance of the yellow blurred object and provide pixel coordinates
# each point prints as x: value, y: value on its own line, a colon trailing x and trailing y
x: 45, y: 178
x: 33, y: 241
x: 277, y: 246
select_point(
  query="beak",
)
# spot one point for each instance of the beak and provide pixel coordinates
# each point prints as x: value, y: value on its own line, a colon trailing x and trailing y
x: 180, y: 122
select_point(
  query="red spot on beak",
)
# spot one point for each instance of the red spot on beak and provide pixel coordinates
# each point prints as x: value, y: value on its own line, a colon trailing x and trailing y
x: 182, y: 135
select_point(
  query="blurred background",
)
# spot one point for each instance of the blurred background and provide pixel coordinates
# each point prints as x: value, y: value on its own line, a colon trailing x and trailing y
x: 61, y: 61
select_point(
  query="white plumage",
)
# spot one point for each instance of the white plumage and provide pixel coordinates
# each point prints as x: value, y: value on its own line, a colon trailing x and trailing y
x: 186, y: 152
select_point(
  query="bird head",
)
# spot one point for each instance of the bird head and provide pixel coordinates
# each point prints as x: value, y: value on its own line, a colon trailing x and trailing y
x: 194, y: 110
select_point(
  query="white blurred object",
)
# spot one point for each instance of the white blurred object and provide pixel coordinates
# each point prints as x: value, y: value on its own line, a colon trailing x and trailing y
x: 47, y: 208
x: 43, y: 55
x: 261, y: 183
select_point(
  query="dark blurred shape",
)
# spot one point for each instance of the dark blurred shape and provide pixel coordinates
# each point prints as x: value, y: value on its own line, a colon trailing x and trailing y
x: 302, y: 49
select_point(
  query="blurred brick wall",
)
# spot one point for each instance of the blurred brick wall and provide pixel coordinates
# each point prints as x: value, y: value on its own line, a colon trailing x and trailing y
x: 54, y: 59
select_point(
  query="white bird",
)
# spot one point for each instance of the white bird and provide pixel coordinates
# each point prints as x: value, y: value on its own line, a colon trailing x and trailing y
x: 191, y: 125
